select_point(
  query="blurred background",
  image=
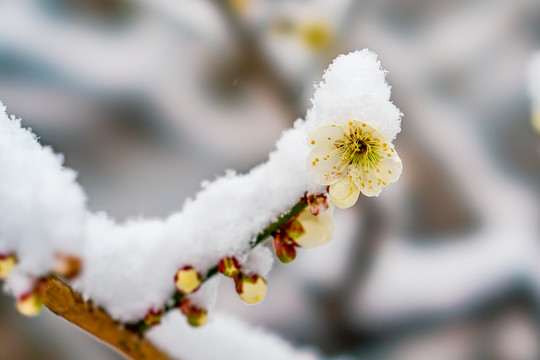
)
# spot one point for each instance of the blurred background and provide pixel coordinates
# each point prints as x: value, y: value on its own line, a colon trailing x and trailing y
x: 147, y: 98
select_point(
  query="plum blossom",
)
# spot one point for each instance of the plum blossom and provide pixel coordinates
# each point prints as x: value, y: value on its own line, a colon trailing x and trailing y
x: 352, y: 158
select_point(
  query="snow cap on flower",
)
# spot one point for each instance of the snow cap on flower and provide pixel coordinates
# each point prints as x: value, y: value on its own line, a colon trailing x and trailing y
x: 354, y: 125
x: 354, y: 87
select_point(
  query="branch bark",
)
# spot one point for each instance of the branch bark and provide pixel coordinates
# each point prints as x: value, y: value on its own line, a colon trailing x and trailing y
x: 66, y: 303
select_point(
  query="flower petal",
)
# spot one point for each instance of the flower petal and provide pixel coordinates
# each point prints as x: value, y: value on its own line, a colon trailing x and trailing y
x: 368, y: 183
x: 318, y: 229
x: 344, y: 193
x: 391, y: 165
x: 324, y: 164
x: 325, y: 134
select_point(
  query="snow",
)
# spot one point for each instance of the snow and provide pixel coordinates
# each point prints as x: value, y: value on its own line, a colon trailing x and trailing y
x: 221, y: 336
x: 354, y: 88
x: 129, y: 267
x: 42, y: 208
x: 228, y: 213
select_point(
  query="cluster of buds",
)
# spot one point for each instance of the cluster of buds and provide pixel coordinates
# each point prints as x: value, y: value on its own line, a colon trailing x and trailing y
x: 28, y: 304
x: 187, y: 281
x: 310, y: 228
x: 31, y: 302
x: 250, y: 288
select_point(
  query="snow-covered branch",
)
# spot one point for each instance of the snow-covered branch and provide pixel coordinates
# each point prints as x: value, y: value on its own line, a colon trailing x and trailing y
x: 138, y: 270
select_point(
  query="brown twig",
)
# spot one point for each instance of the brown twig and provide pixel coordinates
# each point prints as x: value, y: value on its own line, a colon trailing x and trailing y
x: 70, y: 305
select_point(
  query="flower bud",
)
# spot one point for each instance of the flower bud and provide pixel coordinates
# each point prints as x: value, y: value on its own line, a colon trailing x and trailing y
x: 318, y: 229
x: 344, y: 193
x: 187, y: 280
x: 30, y: 304
x: 285, y: 252
x: 251, y: 289
x: 7, y: 263
x: 195, y: 315
x: 66, y: 266
x: 294, y: 229
x: 317, y: 203
x: 153, y: 317
x: 229, y: 266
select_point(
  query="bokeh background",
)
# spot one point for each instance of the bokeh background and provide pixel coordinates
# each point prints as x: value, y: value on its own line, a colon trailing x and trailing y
x: 147, y: 98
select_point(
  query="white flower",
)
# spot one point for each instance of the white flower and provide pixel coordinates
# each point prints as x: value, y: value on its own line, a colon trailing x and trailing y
x: 352, y: 157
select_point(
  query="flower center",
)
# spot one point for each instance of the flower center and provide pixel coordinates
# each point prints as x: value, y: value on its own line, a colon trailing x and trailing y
x: 358, y: 148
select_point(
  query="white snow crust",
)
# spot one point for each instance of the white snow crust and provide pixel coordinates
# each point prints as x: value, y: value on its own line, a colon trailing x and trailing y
x: 42, y: 208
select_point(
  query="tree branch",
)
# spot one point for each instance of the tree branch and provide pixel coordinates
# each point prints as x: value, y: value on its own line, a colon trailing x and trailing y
x: 127, y: 339
x: 70, y: 305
